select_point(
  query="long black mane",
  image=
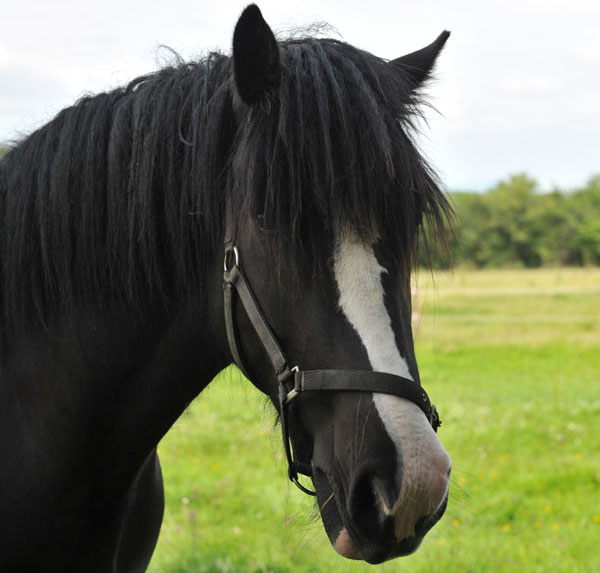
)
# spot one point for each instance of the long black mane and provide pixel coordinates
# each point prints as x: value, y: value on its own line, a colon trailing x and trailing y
x: 120, y: 198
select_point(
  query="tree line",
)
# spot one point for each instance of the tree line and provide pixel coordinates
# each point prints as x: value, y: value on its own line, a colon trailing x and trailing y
x: 513, y: 224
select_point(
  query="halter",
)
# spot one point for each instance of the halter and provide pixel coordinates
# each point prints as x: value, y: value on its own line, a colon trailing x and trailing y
x: 293, y: 381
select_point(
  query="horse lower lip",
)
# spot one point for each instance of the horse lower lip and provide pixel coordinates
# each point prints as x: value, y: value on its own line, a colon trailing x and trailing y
x: 344, y: 546
x: 327, y: 503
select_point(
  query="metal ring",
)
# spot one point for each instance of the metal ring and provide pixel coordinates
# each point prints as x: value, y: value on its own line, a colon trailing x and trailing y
x: 294, y: 480
x: 236, y: 256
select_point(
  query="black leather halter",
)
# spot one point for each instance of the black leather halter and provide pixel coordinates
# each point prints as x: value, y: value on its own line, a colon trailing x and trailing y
x: 293, y: 381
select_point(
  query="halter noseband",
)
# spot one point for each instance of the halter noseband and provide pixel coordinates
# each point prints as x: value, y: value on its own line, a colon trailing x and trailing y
x: 293, y: 381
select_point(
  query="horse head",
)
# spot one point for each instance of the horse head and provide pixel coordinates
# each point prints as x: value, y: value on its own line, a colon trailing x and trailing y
x: 326, y: 195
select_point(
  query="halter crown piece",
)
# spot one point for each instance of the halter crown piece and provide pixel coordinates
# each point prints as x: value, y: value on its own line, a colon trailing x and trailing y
x: 293, y: 381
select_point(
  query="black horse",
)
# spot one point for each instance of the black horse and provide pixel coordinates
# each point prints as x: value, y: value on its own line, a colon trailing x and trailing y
x: 293, y: 159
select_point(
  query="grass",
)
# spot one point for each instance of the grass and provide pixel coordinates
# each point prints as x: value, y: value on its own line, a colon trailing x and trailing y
x: 524, y: 308
x: 515, y: 374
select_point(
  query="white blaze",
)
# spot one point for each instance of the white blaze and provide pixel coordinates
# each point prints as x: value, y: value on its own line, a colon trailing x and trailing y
x: 358, y: 276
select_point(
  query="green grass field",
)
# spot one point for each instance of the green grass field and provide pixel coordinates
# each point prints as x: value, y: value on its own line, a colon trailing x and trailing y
x: 512, y: 360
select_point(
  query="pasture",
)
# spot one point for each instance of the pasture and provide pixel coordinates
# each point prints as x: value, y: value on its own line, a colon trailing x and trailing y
x: 512, y: 360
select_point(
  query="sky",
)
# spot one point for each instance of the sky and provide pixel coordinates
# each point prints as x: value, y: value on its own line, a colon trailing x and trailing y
x: 517, y: 87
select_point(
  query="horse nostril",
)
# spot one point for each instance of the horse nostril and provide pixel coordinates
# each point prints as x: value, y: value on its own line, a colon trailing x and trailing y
x: 363, y: 507
x: 387, y: 492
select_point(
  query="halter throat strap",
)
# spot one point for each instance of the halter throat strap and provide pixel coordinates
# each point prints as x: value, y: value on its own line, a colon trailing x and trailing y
x: 293, y: 381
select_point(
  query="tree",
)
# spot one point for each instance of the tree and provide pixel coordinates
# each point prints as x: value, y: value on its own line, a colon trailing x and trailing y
x: 513, y: 224
x: 586, y: 208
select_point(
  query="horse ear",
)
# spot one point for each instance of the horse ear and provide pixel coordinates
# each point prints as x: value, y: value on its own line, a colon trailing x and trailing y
x: 419, y: 65
x: 255, y: 56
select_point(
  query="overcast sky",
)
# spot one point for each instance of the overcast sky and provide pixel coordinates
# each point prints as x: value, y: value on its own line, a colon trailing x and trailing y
x: 517, y: 89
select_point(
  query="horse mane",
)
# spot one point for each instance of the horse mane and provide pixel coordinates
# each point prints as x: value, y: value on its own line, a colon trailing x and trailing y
x: 120, y: 198
x: 117, y: 198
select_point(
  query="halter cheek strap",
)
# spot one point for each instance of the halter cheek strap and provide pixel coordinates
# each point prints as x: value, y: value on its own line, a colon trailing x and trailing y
x: 293, y: 381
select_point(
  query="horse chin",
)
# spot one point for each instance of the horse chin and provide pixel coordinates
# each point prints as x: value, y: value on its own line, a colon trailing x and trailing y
x: 382, y: 545
x: 332, y: 521
x: 343, y: 543
x: 374, y: 554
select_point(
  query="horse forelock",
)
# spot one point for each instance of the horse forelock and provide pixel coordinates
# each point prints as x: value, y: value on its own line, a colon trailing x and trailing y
x: 335, y: 147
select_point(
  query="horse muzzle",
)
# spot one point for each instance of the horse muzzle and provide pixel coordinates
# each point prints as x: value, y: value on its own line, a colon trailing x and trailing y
x: 376, y: 504
x: 361, y: 525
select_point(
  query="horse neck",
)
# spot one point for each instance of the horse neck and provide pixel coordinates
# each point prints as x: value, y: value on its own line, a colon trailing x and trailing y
x: 178, y: 356
x: 106, y: 387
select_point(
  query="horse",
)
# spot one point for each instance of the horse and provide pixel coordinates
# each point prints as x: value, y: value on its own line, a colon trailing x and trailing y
x: 262, y: 208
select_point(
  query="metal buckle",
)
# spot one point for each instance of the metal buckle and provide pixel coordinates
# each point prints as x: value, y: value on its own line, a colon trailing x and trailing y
x: 294, y: 391
x: 236, y: 256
